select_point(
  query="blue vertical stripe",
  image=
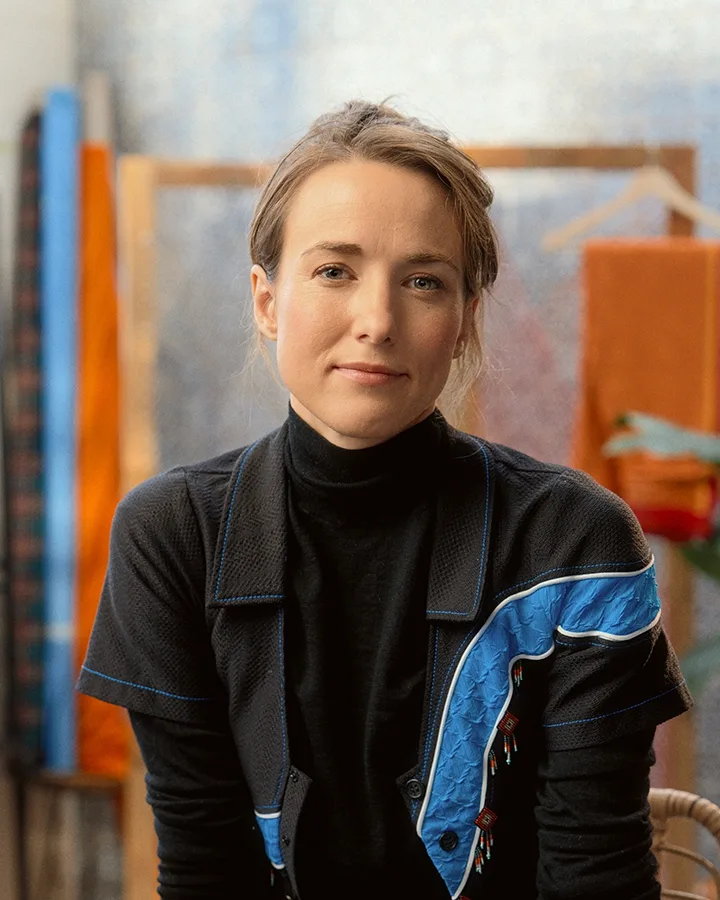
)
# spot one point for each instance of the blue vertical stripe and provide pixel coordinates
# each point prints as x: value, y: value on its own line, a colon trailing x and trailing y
x: 58, y: 291
x: 269, y: 826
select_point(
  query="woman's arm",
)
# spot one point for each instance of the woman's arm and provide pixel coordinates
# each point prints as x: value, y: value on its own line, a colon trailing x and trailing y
x: 593, y: 822
x: 209, y: 844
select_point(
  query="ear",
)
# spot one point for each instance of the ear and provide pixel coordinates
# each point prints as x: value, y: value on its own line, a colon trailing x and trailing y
x: 263, y: 302
x: 467, y: 326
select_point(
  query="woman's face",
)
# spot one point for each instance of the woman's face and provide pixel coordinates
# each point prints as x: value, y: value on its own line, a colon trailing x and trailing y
x: 368, y: 305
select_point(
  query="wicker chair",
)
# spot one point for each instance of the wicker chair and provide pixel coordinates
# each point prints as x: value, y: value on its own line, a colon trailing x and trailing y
x: 666, y: 803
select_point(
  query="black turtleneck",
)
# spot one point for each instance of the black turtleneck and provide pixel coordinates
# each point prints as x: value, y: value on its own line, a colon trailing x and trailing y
x: 357, y: 638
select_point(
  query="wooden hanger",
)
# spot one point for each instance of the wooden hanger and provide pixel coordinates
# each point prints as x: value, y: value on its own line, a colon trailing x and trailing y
x: 649, y: 181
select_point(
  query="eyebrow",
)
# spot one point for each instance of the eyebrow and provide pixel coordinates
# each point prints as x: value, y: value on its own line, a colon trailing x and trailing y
x: 434, y: 256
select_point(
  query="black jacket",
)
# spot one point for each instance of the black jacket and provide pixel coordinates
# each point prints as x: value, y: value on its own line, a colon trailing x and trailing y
x: 545, y: 629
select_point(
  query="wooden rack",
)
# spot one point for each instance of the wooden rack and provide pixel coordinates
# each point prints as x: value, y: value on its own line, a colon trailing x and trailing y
x: 140, y: 180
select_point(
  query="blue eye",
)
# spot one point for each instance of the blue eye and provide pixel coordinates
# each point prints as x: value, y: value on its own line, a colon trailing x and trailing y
x: 427, y: 283
x: 331, y: 273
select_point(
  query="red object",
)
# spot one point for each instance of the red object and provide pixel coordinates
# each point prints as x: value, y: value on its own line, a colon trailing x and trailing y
x: 486, y: 819
x: 508, y: 724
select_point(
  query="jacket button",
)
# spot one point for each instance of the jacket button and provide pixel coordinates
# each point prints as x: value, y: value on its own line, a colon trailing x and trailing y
x: 293, y: 775
x: 286, y: 841
x: 415, y: 789
x: 448, y: 840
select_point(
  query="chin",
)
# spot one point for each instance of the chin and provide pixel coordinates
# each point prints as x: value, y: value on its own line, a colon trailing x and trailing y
x: 366, y: 425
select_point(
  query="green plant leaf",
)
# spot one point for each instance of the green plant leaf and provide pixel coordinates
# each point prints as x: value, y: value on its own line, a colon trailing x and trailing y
x: 662, y: 438
x: 699, y: 663
x: 704, y: 555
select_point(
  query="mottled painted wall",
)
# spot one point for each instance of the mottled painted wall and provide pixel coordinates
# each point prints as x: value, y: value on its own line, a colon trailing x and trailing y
x: 241, y: 79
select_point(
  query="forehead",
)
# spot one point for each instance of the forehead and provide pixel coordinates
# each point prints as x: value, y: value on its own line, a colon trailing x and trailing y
x: 380, y: 206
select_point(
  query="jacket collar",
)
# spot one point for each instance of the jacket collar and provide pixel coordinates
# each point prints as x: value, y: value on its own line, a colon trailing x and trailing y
x: 251, y: 553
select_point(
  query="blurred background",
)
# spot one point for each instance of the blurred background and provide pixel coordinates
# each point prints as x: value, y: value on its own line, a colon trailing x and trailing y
x: 238, y: 82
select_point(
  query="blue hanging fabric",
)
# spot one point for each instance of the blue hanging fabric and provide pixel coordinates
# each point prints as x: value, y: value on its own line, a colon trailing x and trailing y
x: 59, y: 144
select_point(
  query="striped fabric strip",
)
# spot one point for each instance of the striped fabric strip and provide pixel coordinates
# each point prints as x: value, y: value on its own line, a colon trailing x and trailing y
x: 24, y: 447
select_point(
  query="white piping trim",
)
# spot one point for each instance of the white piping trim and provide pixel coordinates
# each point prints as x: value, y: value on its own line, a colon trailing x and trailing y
x: 610, y: 637
x: 468, y: 649
x: 565, y: 578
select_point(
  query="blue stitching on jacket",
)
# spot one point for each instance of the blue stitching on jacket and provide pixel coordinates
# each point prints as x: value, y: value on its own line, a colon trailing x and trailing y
x: 144, y: 687
x: 229, y: 517
x: 250, y: 597
x: 281, y: 667
x: 617, y: 711
x: 632, y: 562
x: 445, y: 612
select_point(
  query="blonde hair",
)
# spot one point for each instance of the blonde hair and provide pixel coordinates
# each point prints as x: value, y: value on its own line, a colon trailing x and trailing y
x: 379, y: 133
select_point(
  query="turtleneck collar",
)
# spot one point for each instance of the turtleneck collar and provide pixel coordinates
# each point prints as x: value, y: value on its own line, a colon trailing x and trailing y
x: 372, y: 483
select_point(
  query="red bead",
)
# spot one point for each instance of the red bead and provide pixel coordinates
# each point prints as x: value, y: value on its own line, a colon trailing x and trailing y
x: 486, y: 819
x: 508, y: 723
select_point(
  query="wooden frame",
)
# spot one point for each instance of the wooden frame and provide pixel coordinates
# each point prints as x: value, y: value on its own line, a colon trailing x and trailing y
x: 140, y: 178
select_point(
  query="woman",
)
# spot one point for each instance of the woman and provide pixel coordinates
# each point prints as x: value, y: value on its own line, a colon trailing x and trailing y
x: 385, y: 656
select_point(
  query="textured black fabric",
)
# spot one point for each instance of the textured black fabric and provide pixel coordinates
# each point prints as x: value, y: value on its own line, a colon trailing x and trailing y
x: 599, y: 689
x: 550, y: 522
x: 184, y: 538
x: 587, y: 836
x: 190, y: 626
x: 149, y: 650
x: 209, y: 845
x: 254, y: 516
x: 360, y: 536
x: 594, y: 832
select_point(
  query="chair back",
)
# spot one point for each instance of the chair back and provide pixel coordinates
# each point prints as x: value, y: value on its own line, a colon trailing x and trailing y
x: 665, y: 804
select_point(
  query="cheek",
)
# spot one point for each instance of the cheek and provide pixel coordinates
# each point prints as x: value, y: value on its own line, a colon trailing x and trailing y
x: 440, y: 333
x: 304, y: 331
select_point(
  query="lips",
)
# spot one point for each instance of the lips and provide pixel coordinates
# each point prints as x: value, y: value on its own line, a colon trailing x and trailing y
x: 369, y: 373
x: 370, y: 367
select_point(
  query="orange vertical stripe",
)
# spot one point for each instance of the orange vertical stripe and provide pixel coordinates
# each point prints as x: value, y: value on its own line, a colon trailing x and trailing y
x: 710, y: 340
x: 103, y: 735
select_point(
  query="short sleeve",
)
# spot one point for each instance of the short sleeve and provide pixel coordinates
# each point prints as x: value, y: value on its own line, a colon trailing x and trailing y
x: 601, y: 690
x: 600, y: 686
x: 150, y: 650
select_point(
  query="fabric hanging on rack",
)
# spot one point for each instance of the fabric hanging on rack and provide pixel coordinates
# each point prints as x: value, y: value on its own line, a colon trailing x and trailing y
x: 103, y: 738
x: 651, y: 345
x: 59, y: 172
x: 24, y: 449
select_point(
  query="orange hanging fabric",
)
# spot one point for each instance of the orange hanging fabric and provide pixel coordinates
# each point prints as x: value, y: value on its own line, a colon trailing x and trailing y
x: 103, y: 733
x: 651, y: 345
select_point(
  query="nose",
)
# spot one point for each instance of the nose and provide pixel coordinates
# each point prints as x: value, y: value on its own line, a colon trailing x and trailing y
x: 375, y: 314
